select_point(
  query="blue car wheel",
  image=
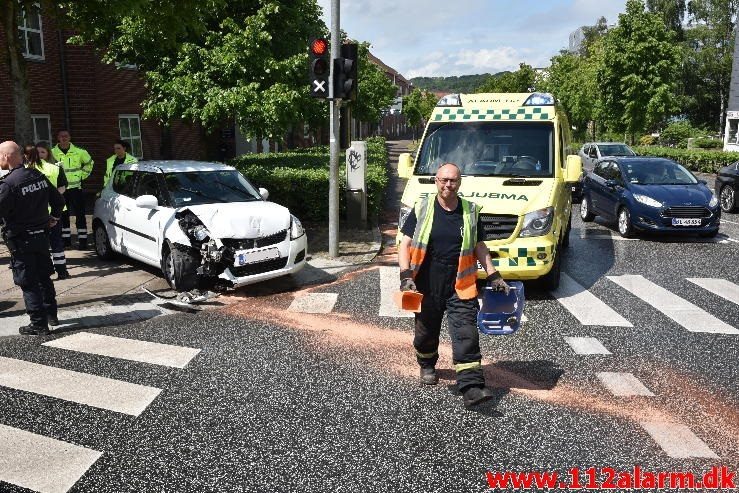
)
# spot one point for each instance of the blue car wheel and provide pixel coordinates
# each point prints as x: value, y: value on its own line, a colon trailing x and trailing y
x: 625, y: 228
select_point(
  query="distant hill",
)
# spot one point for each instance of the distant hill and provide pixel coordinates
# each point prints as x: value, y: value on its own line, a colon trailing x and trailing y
x: 455, y: 83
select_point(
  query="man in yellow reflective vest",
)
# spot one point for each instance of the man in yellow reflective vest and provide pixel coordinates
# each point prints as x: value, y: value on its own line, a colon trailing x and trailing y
x: 77, y: 165
x: 120, y: 156
x: 441, y: 244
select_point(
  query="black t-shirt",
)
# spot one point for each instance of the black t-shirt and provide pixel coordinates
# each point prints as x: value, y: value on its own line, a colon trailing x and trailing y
x: 445, y: 241
x: 118, y: 160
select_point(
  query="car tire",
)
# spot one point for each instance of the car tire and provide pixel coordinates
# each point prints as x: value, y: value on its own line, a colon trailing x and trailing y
x: 179, y: 266
x: 727, y: 198
x: 550, y: 281
x: 586, y: 209
x: 102, y: 242
x: 566, y: 234
x: 623, y: 221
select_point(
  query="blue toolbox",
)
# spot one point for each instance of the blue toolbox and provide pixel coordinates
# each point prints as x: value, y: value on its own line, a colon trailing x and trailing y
x: 500, y: 313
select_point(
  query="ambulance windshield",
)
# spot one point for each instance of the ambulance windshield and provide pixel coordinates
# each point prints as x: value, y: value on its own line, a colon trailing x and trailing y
x: 512, y: 149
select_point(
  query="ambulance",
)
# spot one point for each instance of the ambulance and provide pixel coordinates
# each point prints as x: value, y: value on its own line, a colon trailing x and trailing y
x: 511, y: 149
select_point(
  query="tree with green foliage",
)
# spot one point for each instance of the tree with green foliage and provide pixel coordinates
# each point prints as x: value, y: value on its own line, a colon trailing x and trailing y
x: 522, y: 80
x: 452, y: 84
x: 672, y: 13
x: 375, y: 91
x: 418, y: 106
x: 638, y: 72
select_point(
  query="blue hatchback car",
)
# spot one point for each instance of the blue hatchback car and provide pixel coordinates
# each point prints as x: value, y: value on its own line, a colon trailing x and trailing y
x: 649, y: 194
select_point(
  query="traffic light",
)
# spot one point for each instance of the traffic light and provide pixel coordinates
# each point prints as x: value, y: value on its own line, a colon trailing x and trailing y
x: 345, y: 73
x: 319, y: 68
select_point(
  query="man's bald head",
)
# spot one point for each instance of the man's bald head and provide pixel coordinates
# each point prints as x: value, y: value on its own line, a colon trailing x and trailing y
x: 450, y: 170
x: 11, y: 155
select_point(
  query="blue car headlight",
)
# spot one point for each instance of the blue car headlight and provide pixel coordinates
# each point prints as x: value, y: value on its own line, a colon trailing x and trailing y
x: 713, y: 202
x: 646, y: 200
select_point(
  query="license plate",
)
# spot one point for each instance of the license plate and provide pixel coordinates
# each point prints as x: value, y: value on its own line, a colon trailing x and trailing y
x: 686, y: 222
x: 244, y: 257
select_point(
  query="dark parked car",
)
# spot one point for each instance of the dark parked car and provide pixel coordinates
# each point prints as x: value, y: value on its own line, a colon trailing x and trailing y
x: 649, y: 194
x: 727, y: 183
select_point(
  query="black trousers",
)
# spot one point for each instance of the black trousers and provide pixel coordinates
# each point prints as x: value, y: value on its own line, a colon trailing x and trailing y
x: 57, y: 248
x: 75, y: 200
x: 436, y: 282
x: 32, y: 269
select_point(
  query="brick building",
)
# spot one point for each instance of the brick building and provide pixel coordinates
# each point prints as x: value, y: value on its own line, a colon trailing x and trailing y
x: 99, y: 103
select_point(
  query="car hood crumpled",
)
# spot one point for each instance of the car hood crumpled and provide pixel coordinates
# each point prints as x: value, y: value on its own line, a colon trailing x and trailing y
x: 243, y: 219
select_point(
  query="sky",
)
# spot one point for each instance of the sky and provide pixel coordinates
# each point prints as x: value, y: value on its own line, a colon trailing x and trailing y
x: 460, y: 37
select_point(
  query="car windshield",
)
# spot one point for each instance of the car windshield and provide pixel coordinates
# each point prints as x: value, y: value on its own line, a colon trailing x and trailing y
x: 208, y: 187
x: 657, y: 173
x: 615, y: 150
x: 489, y: 149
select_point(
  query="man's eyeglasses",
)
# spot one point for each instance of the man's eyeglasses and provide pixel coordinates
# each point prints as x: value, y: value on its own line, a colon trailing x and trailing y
x: 451, y: 181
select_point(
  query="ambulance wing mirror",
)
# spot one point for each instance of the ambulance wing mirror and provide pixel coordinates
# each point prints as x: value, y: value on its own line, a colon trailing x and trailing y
x: 574, y: 169
x: 405, y: 165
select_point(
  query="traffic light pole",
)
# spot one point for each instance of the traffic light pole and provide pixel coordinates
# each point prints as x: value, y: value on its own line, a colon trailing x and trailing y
x: 333, y: 177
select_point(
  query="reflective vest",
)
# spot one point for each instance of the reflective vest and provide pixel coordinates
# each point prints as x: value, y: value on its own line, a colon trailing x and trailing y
x: 77, y: 164
x: 51, y: 172
x: 109, y: 169
x: 466, y: 283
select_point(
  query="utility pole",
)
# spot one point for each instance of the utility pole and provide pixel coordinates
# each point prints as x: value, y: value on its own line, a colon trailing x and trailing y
x: 333, y: 177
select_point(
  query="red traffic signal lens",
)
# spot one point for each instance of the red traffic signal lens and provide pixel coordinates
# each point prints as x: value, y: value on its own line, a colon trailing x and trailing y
x: 319, y: 47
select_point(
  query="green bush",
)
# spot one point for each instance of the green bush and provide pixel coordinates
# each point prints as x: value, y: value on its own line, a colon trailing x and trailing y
x: 677, y: 134
x: 299, y: 179
x: 647, y: 140
x: 694, y: 159
x: 708, y: 143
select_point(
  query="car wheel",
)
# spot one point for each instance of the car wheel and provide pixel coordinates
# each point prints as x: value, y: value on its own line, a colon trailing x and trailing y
x: 625, y: 228
x: 727, y: 198
x: 586, y: 213
x: 550, y: 281
x: 102, y: 242
x: 179, y: 267
x: 566, y: 237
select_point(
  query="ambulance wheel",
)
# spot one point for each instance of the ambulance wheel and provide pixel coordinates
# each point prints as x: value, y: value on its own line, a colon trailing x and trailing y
x: 179, y: 267
x: 550, y: 281
x: 586, y: 209
x: 102, y: 242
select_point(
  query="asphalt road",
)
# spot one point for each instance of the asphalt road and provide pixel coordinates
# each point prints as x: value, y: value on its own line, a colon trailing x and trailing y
x: 282, y: 400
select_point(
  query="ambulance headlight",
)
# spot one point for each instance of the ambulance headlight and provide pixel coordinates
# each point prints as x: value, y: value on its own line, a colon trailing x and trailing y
x: 537, y: 223
x: 404, y: 213
x: 540, y: 99
x: 450, y: 100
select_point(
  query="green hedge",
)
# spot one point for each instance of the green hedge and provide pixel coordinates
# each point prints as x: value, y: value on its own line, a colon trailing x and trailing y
x: 693, y: 159
x: 708, y: 144
x: 299, y: 179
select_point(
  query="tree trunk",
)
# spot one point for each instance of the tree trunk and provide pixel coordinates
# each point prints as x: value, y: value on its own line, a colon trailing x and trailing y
x: 18, y: 75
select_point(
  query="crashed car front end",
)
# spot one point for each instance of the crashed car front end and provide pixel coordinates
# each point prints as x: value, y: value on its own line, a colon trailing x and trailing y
x: 231, y: 252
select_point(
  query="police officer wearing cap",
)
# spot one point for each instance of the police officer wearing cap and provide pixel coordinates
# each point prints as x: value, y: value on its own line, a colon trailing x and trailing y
x: 25, y: 198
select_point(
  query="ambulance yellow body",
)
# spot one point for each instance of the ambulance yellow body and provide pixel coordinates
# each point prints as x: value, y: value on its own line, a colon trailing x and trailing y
x: 511, y: 149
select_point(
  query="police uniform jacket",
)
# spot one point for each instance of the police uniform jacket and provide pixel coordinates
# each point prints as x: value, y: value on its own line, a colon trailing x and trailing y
x: 25, y: 197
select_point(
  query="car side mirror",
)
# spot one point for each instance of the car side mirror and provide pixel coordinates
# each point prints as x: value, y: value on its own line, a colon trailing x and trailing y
x: 264, y: 193
x: 147, y: 202
x: 574, y: 169
x: 405, y: 165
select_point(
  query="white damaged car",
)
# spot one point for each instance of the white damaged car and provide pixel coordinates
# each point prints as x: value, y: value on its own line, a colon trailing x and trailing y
x: 203, y: 224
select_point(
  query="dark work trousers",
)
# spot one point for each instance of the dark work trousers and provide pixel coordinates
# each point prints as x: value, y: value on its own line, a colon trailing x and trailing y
x: 32, y: 268
x: 57, y: 249
x: 75, y: 199
x: 436, y: 282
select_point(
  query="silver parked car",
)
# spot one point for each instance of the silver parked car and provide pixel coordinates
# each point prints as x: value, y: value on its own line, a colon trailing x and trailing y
x: 590, y: 152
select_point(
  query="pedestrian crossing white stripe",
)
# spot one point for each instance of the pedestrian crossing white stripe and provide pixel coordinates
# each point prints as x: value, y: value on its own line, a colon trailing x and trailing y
x: 586, y: 308
x: 679, y: 310
x: 677, y: 440
x: 623, y: 384
x: 128, y: 349
x: 41, y: 463
x: 82, y: 388
x: 314, y: 303
x: 602, y: 234
x: 586, y: 345
x: 721, y: 287
x: 389, y: 284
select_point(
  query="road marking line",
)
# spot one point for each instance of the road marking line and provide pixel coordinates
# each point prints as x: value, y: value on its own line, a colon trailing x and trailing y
x: 721, y: 287
x: 585, y: 306
x: 726, y: 221
x: 679, y: 310
x: 677, y: 440
x: 128, y: 349
x: 586, y: 345
x: 602, y: 234
x: 623, y: 384
x: 389, y: 283
x: 314, y: 303
x: 82, y: 388
x: 41, y: 463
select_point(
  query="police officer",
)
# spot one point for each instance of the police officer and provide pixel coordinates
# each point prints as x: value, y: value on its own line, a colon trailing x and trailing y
x: 25, y: 197
x: 438, y: 254
x: 77, y: 165
x: 120, y: 156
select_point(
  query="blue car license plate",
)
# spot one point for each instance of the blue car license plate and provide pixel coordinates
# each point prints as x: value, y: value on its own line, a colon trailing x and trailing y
x: 678, y: 221
x: 244, y: 257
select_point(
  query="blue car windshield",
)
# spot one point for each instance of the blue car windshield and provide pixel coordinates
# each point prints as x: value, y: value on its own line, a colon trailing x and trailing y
x: 657, y: 173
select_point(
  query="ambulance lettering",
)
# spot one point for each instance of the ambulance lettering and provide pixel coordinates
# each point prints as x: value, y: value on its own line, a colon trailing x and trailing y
x: 478, y: 195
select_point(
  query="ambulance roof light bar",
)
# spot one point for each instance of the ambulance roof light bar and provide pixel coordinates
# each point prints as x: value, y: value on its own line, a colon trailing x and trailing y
x: 450, y: 100
x: 539, y: 99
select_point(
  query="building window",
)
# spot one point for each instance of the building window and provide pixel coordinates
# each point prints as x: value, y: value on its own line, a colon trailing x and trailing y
x: 41, y: 128
x: 130, y: 130
x: 30, y: 33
